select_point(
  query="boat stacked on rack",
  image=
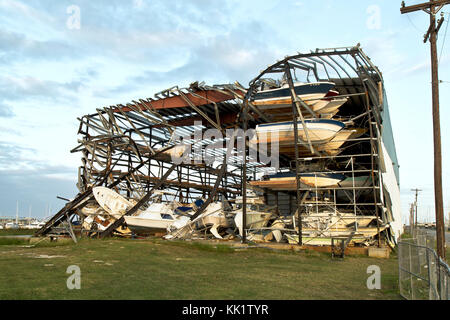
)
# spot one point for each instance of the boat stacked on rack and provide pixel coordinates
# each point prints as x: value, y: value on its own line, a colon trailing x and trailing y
x: 318, y: 228
x: 318, y: 97
x: 326, y: 136
x: 286, y: 181
x: 356, y: 181
x: 318, y: 130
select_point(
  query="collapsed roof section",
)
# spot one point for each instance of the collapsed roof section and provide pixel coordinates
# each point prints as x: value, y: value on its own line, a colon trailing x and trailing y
x: 121, y: 137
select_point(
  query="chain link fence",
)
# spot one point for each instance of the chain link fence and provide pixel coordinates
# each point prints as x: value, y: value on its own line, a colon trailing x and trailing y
x: 422, y: 274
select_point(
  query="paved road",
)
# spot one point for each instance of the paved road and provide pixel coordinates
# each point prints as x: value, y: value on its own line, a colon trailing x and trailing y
x: 432, y: 232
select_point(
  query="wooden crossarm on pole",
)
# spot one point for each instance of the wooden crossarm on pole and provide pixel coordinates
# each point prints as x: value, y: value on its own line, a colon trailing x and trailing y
x: 422, y: 6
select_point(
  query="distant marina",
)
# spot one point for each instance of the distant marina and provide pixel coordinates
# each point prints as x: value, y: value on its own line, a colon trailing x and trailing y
x: 16, y: 222
x: 20, y: 223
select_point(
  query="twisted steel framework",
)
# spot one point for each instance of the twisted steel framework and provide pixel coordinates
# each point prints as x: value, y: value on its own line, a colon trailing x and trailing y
x: 125, y: 146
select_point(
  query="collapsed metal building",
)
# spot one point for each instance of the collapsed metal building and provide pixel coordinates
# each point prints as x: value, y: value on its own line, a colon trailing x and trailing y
x: 130, y: 149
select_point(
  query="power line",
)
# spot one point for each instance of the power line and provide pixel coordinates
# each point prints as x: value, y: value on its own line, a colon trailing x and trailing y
x: 445, y: 37
x: 432, y: 7
x: 410, y: 21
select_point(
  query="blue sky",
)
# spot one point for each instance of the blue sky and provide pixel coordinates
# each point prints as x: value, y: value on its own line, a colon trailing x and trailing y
x: 51, y: 73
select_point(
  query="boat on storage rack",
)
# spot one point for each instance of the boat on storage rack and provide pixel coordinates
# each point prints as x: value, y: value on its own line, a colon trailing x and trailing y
x: 318, y: 96
x: 318, y: 228
x: 287, y: 181
x: 281, y: 96
x: 318, y: 130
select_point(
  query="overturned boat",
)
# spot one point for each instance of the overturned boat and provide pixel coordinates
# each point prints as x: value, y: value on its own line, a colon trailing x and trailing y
x: 111, y: 201
x: 214, y: 217
x: 160, y: 216
x: 109, y: 206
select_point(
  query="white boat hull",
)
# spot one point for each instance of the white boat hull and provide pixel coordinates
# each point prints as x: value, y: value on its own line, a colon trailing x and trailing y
x: 158, y: 217
x: 318, y: 131
x: 137, y: 223
x: 254, y: 220
x: 111, y: 201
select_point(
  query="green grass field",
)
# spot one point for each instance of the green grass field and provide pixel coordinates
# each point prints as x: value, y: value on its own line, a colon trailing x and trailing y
x: 7, y: 232
x: 157, y: 269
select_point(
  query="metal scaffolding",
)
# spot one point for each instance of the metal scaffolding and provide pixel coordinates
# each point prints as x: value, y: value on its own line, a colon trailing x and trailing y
x: 129, y: 148
x: 357, y: 79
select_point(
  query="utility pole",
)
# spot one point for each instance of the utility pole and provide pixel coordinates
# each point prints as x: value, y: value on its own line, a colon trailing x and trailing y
x: 432, y: 8
x: 411, y: 220
x: 415, y: 204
